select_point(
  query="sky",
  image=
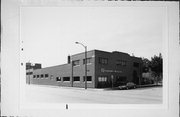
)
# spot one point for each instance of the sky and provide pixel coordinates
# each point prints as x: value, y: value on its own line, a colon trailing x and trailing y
x: 49, y: 33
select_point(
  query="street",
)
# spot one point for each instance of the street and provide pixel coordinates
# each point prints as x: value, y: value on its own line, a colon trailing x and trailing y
x: 54, y: 94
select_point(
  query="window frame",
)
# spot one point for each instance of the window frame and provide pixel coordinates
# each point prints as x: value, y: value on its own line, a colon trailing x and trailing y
x: 76, y: 80
x: 121, y: 63
x: 103, y: 61
x: 88, y: 60
x: 42, y: 76
x: 74, y: 63
x: 66, y: 80
x: 87, y: 78
x: 102, y: 79
x: 46, y: 76
x: 58, y: 79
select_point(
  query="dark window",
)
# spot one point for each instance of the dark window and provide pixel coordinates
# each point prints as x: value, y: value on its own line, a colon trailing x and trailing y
x: 42, y: 75
x: 121, y: 63
x: 34, y: 76
x: 37, y: 76
x: 89, y: 60
x: 135, y: 64
x: 66, y: 78
x: 103, y: 60
x: 29, y: 73
x: 46, y: 75
x: 58, y: 78
x: 76, y: 78
x: 76, y: 62
x: 89, y: 78
x: 121, y: 79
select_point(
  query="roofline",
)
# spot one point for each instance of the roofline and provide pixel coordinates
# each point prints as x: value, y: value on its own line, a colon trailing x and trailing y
x: 82, y: 53
x: 52, y: 66
x: 100, y: 51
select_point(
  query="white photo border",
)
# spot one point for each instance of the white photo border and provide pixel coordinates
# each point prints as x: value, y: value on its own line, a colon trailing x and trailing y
x: 38, y: 109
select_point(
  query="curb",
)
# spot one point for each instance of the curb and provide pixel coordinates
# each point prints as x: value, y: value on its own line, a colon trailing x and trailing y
x: 76, y: 88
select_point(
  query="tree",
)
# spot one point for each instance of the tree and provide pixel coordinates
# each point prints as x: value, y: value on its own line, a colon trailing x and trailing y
x: 146, y: 64
x: 156, y: 66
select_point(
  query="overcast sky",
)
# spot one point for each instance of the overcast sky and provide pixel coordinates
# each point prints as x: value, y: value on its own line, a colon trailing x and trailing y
x: 49, y: 33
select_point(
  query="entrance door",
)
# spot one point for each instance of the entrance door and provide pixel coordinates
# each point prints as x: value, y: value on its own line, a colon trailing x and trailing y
x: 120, y: 80
x: 135, y: 77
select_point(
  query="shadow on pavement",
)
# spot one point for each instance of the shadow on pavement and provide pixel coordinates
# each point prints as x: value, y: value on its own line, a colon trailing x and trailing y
x: 138, y: 87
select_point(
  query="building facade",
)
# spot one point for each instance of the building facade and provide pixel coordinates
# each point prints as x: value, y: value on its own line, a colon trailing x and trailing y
x: 104, y: 69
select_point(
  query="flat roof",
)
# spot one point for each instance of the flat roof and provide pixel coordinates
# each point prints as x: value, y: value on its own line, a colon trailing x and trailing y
x: 52, y: 66
x: 101, y: 51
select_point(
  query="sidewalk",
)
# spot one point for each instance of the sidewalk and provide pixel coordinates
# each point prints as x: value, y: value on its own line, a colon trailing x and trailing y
x: 93, y: 89
x: 149, y: 85
x: 63, y: 87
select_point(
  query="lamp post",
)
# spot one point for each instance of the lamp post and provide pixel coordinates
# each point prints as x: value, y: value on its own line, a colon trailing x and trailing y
x: 85, y: 47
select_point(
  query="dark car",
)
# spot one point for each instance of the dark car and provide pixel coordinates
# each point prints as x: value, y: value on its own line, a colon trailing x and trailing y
x: 129, y: 85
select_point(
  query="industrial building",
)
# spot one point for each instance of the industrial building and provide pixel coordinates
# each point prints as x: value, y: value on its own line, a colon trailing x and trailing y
x: 104, y: 69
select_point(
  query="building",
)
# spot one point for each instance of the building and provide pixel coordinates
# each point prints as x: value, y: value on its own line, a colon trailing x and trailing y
x: 104, y: 69
x: 29, y: 70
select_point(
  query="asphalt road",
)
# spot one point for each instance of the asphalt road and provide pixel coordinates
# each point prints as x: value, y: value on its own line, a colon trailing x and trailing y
x: 49, y: 94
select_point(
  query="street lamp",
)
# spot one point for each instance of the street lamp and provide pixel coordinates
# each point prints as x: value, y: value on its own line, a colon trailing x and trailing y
x: 85, y: 47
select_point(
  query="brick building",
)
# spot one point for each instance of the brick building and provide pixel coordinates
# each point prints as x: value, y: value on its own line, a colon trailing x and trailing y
x: 104, y: 69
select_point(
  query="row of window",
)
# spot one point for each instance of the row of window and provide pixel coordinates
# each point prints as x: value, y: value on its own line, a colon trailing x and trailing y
x: 118, y: 78
x: 121, y: 63
x: 89, y: 60
x: 41, y: 76
x: 102, y: 79
x: 77, y: 62
x: 75, y: 78
x: 29, y: 73
x: 104, y: 61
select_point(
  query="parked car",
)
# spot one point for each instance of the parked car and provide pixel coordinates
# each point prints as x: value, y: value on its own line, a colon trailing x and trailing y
x: 129, y: 85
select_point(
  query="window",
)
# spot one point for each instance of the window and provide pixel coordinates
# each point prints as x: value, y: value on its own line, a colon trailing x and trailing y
x: 102, y: 79
x: 76, y: 78
x: 42, y: 75
x: 51, y: 77
x: 29, y: 73
x: 121, y: 79
x: 58, y: 79
x: 34, y: 76
x: 103, y: 61
x: 88, y: 60
x: 89, y: 78
x: 66, y: 78
x: 37, y: 76
x: 121, y: 63
x: 135, y: 64
x: 76, y: 62
x: 46, y: 75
